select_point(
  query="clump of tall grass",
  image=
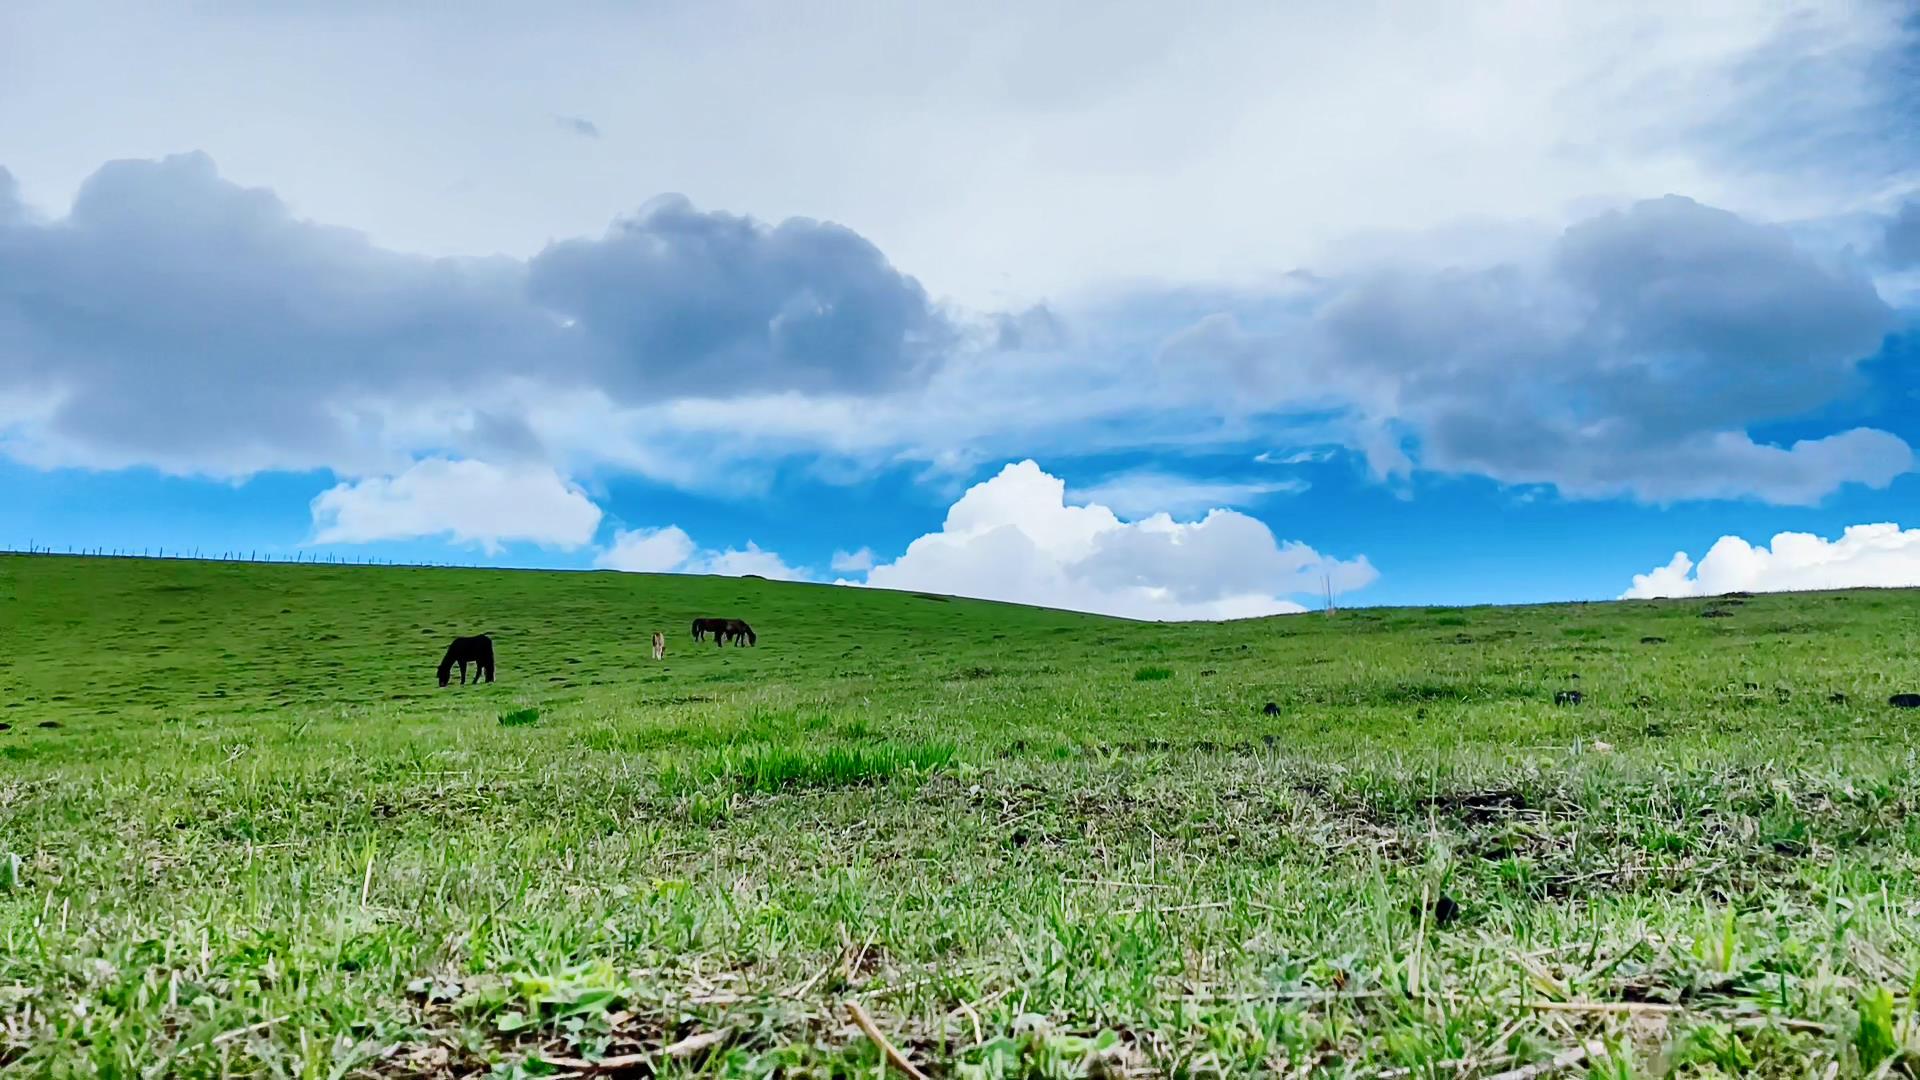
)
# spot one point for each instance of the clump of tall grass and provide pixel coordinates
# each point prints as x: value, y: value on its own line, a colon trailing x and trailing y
x: 519, y: 717
x: 776, y: 768
x: 1152, y: 674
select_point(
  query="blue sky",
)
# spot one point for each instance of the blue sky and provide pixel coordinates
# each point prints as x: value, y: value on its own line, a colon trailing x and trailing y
x: 1165, y: 314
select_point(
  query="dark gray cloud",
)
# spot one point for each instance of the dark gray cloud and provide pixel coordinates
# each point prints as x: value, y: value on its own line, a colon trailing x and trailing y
x: 709, y: 303
x: 181, y: 320
x: 11, y: 209
x: 579, y: 125
x: 1900, y: 244
x: 1631, y: 359
x: 1829, y: 98
x: 1037, y: 329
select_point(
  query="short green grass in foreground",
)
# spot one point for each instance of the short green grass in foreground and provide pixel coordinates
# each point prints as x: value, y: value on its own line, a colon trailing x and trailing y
x: 243, y: 833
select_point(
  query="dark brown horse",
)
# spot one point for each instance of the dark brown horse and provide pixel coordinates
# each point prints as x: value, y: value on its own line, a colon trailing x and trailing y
x: 738, y: 632
x: 703, y: 627
x: 476, y: 650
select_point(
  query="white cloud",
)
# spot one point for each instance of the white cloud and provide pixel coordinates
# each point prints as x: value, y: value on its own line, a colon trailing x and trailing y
x: 1207, y: 127
x: 749, y: 560
x: 853, y: 562
x: 648, y: 551
x: 669, y: 550
x: 471, y: 501
x: 1298, y: 457
x: 1143, y: 492
x: 1864, y: 556
x: 1014, y: 537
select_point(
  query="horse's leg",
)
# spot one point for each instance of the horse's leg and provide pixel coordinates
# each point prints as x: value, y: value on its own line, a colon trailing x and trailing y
x: 463, y: 673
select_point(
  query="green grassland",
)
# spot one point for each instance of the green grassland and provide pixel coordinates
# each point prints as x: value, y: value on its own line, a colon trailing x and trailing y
x: 243, y: 833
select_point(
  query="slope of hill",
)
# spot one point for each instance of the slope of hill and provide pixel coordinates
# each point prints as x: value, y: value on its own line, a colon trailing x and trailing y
x: 242, y: 830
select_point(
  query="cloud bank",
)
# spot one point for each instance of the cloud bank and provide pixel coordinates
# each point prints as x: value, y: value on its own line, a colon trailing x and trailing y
x: 1627, y: 357
x: 669, y: 550
x: 175, y: 319
x: 1015, y: 537
x: 465, y: 501
x: 1881, y: 555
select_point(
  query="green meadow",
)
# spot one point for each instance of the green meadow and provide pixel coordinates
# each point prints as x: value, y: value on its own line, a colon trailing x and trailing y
x: 243, y: 833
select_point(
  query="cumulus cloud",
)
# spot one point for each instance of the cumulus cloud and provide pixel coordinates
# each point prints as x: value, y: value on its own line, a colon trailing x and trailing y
x: 648, y: 551
x: 669, y: 550
x: 1015, y: 537
x: 852, y: 562
x: 179, y: 320
x: 1629, y: 358
x: 676, y: 301
x: 1864, y: 556
x: 469, y: 501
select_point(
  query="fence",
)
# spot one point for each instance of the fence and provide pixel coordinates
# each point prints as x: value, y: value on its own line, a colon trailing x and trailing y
x: 306, y: 558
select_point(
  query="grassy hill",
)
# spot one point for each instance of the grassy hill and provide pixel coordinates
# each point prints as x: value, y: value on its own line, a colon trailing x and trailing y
x: 243, y: 832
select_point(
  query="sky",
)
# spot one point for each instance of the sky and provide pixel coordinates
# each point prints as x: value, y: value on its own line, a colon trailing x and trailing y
x: 1159, y: 311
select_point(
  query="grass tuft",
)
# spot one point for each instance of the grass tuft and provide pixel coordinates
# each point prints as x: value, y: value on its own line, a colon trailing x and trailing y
x: 777, y: 768
x: 1152, y: 674
x: 519, y: 717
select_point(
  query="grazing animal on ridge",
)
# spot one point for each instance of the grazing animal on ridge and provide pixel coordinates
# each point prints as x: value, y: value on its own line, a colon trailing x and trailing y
x: 659, y: 645
x: 477, y: 650
x: 703, y: 627
x: 739, y: 632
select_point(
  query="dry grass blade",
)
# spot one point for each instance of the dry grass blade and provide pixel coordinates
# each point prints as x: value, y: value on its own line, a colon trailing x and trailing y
x: 1566, y: 1059
x: 229, y: 1036
x: 1445, y: 1065
x: 695, y: 1043
x: 685, y: 1048
x: 891, y: 1052
x: 1211, y: 905
x: 1661, y: 1008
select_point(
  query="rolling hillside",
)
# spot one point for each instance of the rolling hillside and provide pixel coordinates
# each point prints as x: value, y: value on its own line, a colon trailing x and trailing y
x: 242, y: 831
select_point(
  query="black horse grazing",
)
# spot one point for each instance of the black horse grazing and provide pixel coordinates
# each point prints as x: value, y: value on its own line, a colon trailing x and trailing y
x: 739, y: 632
x: 468, y: 650
x: 703, y: 627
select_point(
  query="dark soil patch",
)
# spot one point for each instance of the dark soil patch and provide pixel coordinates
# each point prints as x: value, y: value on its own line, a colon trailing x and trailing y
x: 1443, y: 909
x: 1480, y: 807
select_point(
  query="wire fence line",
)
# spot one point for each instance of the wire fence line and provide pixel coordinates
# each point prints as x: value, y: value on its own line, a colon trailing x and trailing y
x: 194, y: 554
